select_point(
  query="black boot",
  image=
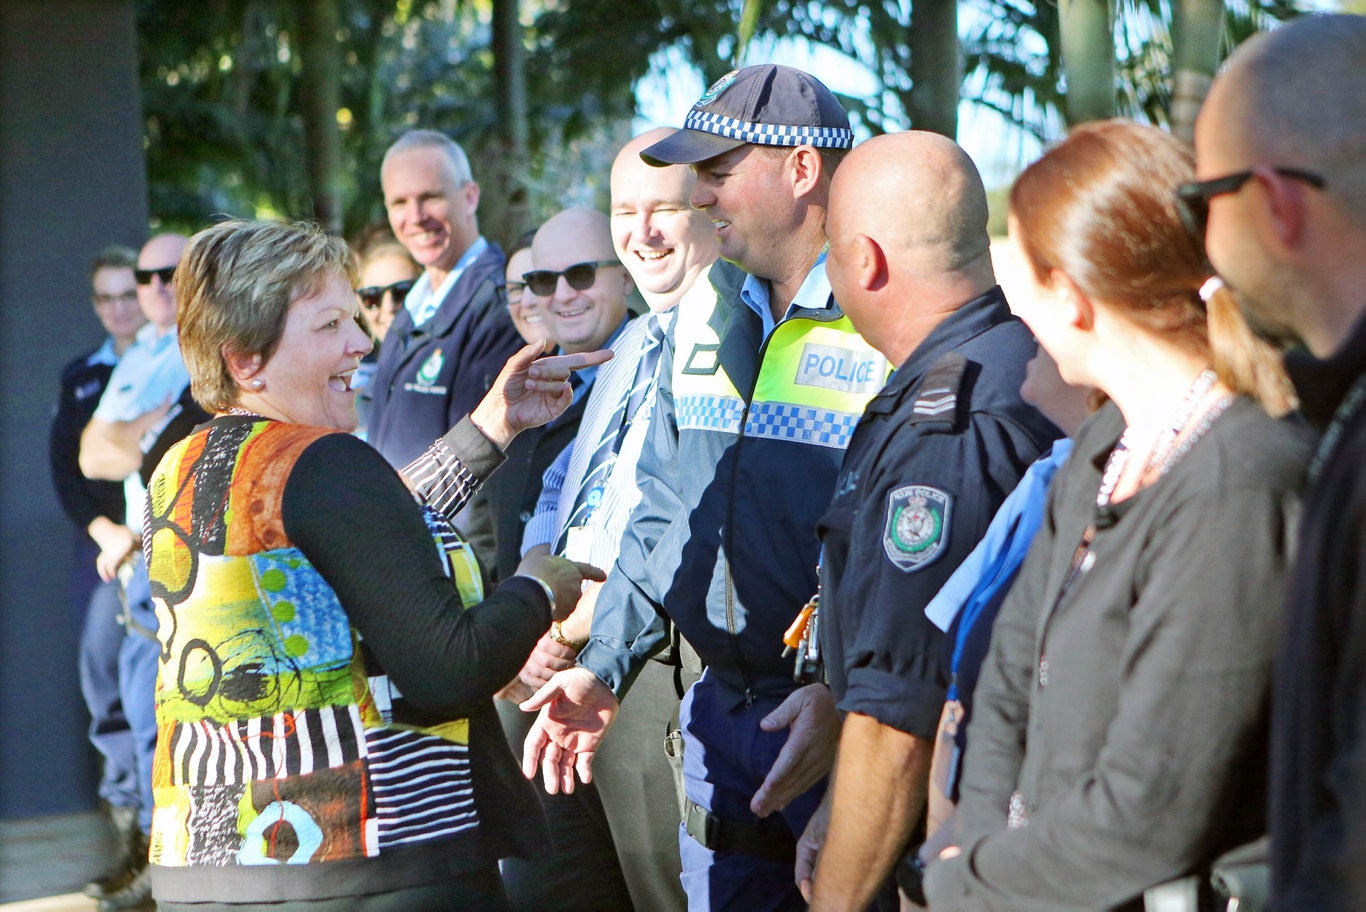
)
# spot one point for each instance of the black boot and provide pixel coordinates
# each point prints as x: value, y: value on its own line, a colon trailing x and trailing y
x: 136, y: 894
x: 130, y: 853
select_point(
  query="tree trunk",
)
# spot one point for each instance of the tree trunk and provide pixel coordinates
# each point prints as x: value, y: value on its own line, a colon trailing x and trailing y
x: 1196, y: 36
x: 505, y: 213
x: 320, y: 76
x: 1088, y: 59
x: 936, y: 67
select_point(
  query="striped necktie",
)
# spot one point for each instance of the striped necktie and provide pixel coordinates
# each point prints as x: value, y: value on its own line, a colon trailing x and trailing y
x: 613, y: 433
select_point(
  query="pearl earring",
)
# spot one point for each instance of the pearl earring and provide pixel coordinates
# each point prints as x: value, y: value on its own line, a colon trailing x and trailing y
x: 257, y: 384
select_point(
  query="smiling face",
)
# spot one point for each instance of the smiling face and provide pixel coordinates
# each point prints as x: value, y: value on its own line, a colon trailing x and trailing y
x: 581, y: 320
x: 750, y: 207
x: 157, y: 298
x: 115, y: 296
x: 381, y: 271
x: 307, y: 379
x: 524, y: 306
x: 430, y: 213
x: 663, y: 241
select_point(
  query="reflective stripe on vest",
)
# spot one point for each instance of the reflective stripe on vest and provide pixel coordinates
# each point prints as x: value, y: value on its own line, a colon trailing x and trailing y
x: 815, y: 380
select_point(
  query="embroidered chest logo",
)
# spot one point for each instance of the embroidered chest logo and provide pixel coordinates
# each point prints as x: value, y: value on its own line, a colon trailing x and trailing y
x: 916, y: 530
x: 427, y: 375
x: 844, y: 369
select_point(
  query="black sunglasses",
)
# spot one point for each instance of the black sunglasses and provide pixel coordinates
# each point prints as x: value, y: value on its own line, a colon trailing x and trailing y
x: 371, y: 295
x: 144, y: 276
x: 1195, y: 196
x: 580, y: 277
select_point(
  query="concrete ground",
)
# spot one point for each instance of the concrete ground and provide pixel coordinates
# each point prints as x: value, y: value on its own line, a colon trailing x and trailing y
x: 46, y: 861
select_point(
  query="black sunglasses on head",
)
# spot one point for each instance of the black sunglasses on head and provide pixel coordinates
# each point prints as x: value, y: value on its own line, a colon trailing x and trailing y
x: 1195, y: 196
x: 144, y: 276
x: 580, y: 277
x: 371, y: 295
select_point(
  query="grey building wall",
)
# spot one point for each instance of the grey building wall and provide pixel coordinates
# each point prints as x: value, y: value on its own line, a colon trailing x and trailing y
x: 72, y: 179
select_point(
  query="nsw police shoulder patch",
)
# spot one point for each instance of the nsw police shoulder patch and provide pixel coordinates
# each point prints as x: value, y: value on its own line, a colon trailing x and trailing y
x: 917, y: 527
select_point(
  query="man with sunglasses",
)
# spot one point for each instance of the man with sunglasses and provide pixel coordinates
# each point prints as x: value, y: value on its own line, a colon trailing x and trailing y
x: 453, y: 334
x: 145, y: 409
x: 580, y: 291
x: 1281, y: 153
x: 759, y: 390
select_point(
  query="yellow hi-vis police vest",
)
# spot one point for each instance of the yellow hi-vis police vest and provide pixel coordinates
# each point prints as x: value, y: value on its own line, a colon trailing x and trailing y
x: 814, y: 381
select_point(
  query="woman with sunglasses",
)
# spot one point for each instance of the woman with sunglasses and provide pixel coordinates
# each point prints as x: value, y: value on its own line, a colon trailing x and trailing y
x: 387, y: 274
x: 1120, y: 731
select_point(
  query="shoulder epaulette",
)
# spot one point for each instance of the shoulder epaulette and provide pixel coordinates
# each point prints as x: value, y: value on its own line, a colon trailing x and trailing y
x: 936, y: 400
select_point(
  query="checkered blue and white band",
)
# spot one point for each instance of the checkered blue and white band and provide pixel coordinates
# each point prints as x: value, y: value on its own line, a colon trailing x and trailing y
x: 768, y: 134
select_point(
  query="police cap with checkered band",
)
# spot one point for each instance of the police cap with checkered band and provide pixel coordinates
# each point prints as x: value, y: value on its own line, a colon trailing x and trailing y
x: 765, y: 105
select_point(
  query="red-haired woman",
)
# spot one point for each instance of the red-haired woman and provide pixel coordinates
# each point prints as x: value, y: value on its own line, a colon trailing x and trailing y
x: 1120, y: 736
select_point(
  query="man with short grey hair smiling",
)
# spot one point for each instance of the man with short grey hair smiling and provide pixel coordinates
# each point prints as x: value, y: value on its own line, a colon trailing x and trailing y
x: 453, y: 334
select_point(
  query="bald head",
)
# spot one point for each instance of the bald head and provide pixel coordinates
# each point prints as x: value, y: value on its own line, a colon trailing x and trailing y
x: 579, y: 319
x: 1293, y: 251
x: 664, y: 242
x: 155, y: 297
x: 908, y: 236
x: 572, y: 236
x: 1296, y: 96
x: 919, y: 196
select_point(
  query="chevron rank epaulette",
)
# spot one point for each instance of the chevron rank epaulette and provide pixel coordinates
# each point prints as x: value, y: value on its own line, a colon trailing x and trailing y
x: 937, y: 398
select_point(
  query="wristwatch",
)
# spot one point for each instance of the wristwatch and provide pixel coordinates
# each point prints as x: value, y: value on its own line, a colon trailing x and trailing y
x: 557, y: 634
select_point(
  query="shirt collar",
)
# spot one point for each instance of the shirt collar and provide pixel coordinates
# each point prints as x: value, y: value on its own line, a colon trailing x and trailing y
x: 814, y: 294
x: 105, y: 354
x: 423, y: 300
x: 588, y: 374
x: 1322, y: 384
x: 149, y: 337
x: 973, y: 318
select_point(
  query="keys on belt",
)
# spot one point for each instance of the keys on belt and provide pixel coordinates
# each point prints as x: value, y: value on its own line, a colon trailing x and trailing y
x: 801, y: 640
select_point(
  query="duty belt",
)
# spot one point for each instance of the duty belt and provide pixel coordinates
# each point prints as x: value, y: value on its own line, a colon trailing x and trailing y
x: 769, y: 839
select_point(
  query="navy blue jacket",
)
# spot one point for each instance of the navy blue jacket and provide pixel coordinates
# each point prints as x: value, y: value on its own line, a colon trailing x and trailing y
x: 83, y: 382
x: 933, y: 457
x: 430, y: 377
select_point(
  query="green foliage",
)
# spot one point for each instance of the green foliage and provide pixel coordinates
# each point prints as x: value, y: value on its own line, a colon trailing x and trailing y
x: 224, y: 129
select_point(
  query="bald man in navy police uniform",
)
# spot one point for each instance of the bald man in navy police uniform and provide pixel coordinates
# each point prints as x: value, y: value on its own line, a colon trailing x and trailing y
x: 932, y: 458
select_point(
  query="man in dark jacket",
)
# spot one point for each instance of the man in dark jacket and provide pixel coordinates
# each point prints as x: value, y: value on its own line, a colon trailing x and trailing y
x: 97, y: 508
x: 1281, y: 150
x: 453, y: 334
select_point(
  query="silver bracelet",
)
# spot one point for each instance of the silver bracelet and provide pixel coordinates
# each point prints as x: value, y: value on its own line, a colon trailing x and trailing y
x: 545, y: 587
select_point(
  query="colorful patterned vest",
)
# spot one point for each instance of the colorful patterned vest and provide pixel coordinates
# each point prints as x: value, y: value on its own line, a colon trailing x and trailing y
x: 276, y: 744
